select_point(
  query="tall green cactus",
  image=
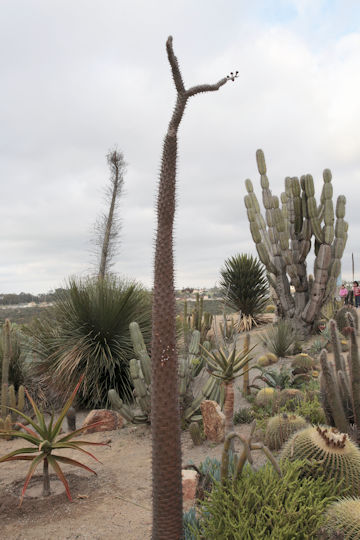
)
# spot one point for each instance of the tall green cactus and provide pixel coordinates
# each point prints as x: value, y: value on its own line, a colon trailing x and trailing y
x: 198, y: 319
x: 340, y: 384
x: 283, y: 242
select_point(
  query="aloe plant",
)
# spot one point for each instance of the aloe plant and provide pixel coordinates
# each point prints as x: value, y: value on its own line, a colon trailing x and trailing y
x: 227, y: 366
x: 45, y: 439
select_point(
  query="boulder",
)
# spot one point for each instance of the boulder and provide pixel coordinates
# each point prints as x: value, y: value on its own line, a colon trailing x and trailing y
x: 190, y: 481
x: 214, y: 421
x: 111, y: 420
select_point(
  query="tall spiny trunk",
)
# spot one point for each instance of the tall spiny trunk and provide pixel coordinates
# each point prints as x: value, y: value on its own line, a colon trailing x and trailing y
x: 229, y: 406
x: 165, y: 421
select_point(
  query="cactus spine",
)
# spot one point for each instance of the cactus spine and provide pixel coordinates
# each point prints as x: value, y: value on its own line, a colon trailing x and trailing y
x: 343, y: 519
x: 281, y: 427
x: 283, y: 242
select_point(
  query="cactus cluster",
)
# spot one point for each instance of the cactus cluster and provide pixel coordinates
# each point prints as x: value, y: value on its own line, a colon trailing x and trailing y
x: 340, y: 383
x: 190, y: 366
x: 341, y: 319
x: 283, y: 241
x: 198, y: 319
x: 280, y: 427
x: 329, y: 452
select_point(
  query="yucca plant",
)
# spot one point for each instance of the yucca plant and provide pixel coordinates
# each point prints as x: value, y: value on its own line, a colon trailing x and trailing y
x: 87, y: 332
x: 244, y: 288
x: 227, y: 366
x: 45, y: 439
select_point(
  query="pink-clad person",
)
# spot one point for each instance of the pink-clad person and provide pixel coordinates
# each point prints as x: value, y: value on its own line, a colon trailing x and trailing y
x: 356, y: 290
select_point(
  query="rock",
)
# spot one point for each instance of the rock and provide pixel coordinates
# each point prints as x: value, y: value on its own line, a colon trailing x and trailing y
x: 190, y: 480
x: 111, y: 420
x: 214, y: 421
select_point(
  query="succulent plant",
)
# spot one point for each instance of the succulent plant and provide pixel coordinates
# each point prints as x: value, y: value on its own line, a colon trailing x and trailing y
x: 265, y: 397
x: 329, y: 452
x: 280, y: 427
x: 341, y: 320
x: 290, y: 397
x: 343, y: 518
x: 283, y: 242
x: 302, y: 361
x: 195, y: 433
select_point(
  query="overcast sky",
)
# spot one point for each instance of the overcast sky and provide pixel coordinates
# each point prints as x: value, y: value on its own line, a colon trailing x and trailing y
x: 79, y: 77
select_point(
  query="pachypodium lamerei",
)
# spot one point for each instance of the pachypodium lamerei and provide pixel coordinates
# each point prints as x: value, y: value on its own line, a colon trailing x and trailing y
x: 283, y: 242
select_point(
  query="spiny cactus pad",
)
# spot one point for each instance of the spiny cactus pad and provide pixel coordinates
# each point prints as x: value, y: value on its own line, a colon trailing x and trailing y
x: 265, y: 396
x: 329, y: 451
x: 343, y: 517
x: 280, y: 427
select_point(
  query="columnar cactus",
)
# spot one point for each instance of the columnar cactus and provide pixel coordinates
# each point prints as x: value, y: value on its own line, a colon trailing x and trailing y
x: 340, y: 384
x: 283, y: 242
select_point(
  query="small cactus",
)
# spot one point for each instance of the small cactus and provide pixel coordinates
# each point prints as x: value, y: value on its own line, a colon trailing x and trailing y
x: 330, y: 453
x: 302, y: 361
x: 289, y: 396
x: 280, y: 427
x: 195, y: 433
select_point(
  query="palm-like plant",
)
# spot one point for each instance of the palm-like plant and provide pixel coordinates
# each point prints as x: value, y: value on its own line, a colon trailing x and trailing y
x: 244, y: 288
x: 227, y: 366
x: 87, y: 332
x: 45, y: 440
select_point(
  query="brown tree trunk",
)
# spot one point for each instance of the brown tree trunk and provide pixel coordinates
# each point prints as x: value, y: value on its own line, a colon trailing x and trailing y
x: 46, y: 479
x: 229, y: 407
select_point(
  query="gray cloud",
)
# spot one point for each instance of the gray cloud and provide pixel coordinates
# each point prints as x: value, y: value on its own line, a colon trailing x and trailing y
x: 81, y: 77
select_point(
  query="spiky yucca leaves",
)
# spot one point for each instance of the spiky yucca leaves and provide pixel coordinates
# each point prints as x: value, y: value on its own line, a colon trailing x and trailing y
x: 329, y: 452
x: 279, y: 338
x: 87, y: 332
x: 280, y: 427
x: 226, y: 366
x: 343, y: 517
x: 45, y: 439
x: 244, y: 286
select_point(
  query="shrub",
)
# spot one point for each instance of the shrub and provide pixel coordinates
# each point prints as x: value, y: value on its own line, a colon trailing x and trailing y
x: 87, y: 332
x: 262, y: 505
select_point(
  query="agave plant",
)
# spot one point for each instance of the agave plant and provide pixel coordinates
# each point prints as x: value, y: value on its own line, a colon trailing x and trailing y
x: 87, y: 332
x: 244, y: 288
x: 227, y: 366
x: 45, y: 439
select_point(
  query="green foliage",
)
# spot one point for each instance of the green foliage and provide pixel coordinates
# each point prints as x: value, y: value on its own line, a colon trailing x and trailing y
x: 308, y: 408
x: 263, y: 505
x: 87, y: 332
x: 243, y: 284
x: 279, y: 338
x: 191, y: 524
x: 244, y: 415
x: 45, y: 439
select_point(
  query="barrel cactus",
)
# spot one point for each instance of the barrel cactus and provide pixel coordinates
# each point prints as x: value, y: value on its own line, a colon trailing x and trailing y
x: 302, y: 361
x: 281, y: 427
x: 290, y: 397
x: 343, y: 518
x: 329, y: 452
x: 341, y: 320
x: 265, y: 397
